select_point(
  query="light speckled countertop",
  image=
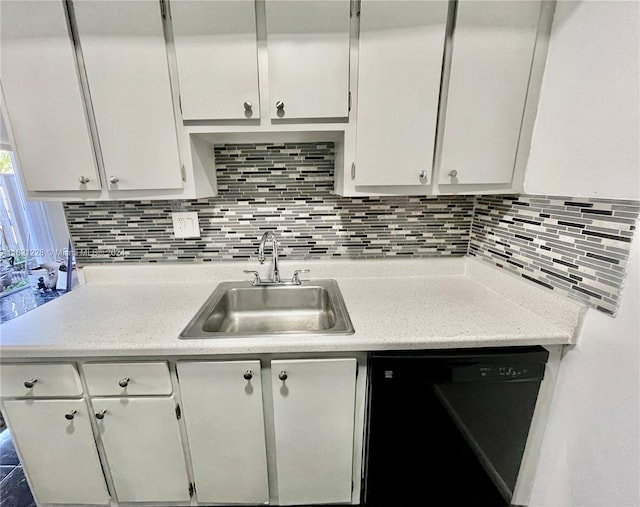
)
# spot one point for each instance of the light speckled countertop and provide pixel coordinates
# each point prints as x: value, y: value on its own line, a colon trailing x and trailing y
x: 139, y: 310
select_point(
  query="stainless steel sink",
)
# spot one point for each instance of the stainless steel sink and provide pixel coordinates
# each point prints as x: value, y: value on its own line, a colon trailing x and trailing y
x: 239, y: 309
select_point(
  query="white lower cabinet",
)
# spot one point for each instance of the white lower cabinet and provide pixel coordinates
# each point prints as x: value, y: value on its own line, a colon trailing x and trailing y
x: 287, y: 441
x: 314, y: 407
x: 143, y: 447
x: 57, y: 450
x: 223, y: 414
x: 312, y: 442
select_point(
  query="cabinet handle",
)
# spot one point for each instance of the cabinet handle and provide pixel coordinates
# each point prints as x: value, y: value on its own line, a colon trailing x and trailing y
x: 29, y: 383
x: 100, y: 415
x: 248, y: 106
x: 453, y: 173
x: 283, y: 375
x: 248, y: 375
x: 113, y: 180
x: 422, y: 175
x: 83, y: 180
x: 70, y: 415
x: 280, y: 105
x: 124, y: 382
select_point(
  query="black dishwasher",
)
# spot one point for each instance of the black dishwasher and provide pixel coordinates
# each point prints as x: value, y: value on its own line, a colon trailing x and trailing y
x: 449, y: 427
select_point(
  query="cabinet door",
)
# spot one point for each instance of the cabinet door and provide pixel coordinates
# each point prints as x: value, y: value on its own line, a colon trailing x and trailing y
x: 144, y: 451
x: 59, y: 454
x: 217, y: 56
x: 44, y: 99
x: 308, y: 47
x: 225, y: 426
x: 126, y: 60
x: 493, y: 45
x: 314, y: 418
x: 399, y: 67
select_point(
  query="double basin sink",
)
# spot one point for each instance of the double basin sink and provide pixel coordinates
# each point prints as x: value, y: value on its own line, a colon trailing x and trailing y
x: 240, y: 309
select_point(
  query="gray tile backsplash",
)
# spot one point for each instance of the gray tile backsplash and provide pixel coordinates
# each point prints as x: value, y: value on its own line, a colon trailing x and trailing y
x: 284, y: 188
x: 576, y: 246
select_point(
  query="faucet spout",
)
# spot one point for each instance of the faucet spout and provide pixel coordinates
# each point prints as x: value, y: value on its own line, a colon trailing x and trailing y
x: 275, y: 270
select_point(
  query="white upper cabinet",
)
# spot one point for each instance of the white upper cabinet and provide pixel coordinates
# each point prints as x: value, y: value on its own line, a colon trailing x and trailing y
x: 308, y: 48
x: 126, y: 63
x: 314, y: 407
x: 44, y: 99
x: 493, y: 46
x: 217, y: 58
x: 400, y: 62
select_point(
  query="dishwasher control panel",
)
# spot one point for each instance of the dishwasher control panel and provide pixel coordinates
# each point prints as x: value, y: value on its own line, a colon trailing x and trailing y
x: 492, y: 372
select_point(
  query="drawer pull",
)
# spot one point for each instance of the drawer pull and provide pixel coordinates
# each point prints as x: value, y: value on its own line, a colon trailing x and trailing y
x: 248, y: 375
x: 283, y: 376
x: 30, y: 383
x: 70, y: 415
x: 124, y: 382
x: 100, y: 415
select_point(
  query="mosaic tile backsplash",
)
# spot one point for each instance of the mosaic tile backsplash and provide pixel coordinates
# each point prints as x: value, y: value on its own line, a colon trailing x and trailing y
x: 284, y: 188
x: 576, y: 246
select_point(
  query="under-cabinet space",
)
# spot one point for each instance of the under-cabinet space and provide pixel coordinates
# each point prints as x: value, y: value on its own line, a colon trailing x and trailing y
x: 57, y: 450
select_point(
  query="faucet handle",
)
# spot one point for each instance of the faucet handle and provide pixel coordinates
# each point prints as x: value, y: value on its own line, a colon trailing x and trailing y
x: 256, y: 276
x: 295, y: 278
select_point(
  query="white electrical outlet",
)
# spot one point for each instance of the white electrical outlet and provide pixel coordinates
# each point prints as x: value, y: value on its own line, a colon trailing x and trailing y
x: 185, y: 224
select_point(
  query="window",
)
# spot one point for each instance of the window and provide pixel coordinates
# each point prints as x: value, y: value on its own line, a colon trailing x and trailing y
x: 31, y: 233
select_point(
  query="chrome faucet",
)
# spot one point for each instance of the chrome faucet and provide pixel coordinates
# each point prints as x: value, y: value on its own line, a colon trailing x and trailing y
x: 275, y: 270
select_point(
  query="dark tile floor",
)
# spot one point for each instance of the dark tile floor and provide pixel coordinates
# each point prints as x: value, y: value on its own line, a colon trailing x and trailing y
x: 14, y: 490
x: 16, y: 304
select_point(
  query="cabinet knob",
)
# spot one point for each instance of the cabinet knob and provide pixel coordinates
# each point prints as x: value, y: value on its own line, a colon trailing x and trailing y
x: 280, y: 105
x: 453, y: 173
x: 100, y: 415
x: 83, y: 180
x: 30, y: 383
x: 422, y: 175
x: 113, y: 180
x: 248, y: 375
x: 248, y: 106
x: 124, y: 382
x: 70, y: 415
x: 283, y: 376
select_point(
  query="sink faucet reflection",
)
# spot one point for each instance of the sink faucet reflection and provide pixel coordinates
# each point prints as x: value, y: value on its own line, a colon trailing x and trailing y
x: 275, y: 270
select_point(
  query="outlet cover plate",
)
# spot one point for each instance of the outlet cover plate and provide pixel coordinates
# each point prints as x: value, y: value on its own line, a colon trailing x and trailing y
x: 185, y: 224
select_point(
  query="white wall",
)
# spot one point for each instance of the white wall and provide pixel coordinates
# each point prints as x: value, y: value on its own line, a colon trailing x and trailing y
x: 591, y: 450
x: 586, y: 140
x: 586, y: 143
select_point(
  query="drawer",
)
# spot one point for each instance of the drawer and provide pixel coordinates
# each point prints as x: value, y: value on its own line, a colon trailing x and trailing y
x: 127, y: 379
x: 45, y: 380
